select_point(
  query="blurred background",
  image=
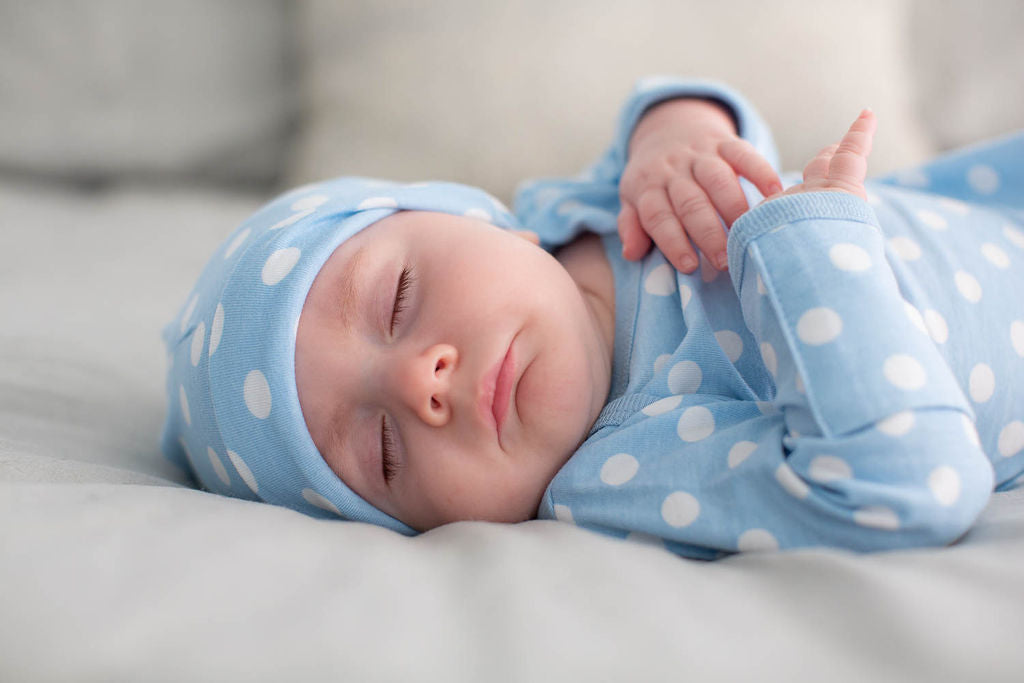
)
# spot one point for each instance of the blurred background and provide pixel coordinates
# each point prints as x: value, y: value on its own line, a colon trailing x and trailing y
x: 259, y: 95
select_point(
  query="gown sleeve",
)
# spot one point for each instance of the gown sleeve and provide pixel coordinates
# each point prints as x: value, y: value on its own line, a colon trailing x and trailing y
x: 558, y: 209
x: 868, y: 442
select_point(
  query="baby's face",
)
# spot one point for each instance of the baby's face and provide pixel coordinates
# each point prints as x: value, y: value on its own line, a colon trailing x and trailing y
x: 480, y: 300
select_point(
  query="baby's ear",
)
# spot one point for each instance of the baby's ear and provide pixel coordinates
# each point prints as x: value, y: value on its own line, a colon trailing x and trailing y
x: 528, y: 235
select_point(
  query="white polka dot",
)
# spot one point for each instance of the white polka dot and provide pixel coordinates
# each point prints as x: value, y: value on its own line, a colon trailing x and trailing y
x: 684, y: 295
x: 243, y: 471
x: 954, y: 206
x: 935, y: 221
x: 237, y: 242
x: 707, y: 271
x: 829, y: 468
x: 731, y: 344
x: 740, y: 451
x: 619, y: 469
x: 906, y: 248
x: 288, y: 220
x: 937, y: 327
x: 898, y: 424
x: 279, y: 264
x: 788, y: 479
x: 970, y: 430
x: 257, y: 394
x: 912, y: 177
x: 846, y: 256
x: 660, y: 361
x: 216, y: 328
x: 309, y: 203
x: 996, y: 256
x: 564, y: 514
x: 1014, y: 235
x: 198, y: 337
x: 314, y: 498
x: 819, y: 326
x: 945, y: 484
x: 969, y: 287
x: 480, y: 214
x: 768, y: 356
x: 183, y: 400
x: 904, y: 371
x: 684, y: 377
x: 218, y: 466
x: 878, y: 517
x: 760, y: 285
x: 1011, y: 438
x: 187, y: 315
x: 983, y: 179
x: 661, y: 406
x: 661, y: 281
x: 696, y: 423
x: 982, y: 383
x: 756, y: 540
x: 915, y: 316
x: 680, y: 509
x: 1017, y: 337
x: 377, y: 203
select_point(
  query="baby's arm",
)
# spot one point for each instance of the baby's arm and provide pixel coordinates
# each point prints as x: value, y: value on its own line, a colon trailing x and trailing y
x: 559, y: 209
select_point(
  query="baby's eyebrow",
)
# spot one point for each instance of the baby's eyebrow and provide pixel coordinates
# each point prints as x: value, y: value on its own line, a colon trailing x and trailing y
x: 348, y: 296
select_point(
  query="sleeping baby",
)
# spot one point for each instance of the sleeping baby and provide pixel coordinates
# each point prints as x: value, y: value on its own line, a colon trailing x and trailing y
x: 635, y: 350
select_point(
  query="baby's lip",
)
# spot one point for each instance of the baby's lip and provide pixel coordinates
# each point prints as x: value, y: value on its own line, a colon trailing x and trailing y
x: 487, y: 397
x: 503, y: 389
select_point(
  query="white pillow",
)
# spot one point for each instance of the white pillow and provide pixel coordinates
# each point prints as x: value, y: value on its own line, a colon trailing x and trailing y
x: 492, y: 93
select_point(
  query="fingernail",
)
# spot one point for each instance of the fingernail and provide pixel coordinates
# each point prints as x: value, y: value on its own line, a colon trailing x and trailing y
x: 688, y: 263
x: 867, y: 110
x: 722, y: 260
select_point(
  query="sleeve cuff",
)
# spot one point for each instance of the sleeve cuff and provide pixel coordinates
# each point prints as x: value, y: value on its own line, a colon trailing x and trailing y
x: 772, y: 215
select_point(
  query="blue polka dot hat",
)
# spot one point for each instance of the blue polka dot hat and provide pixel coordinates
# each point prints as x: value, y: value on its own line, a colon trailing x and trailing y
x: 233, y: 415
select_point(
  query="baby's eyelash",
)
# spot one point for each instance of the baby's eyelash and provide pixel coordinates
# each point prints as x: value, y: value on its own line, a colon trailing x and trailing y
x: 387, y: 449
x: 404, y: 282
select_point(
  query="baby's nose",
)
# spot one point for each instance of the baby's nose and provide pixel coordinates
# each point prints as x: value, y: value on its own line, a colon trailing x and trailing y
x: 426, y: 383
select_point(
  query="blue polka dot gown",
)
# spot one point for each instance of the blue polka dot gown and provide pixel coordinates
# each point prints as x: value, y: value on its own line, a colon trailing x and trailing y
x: 855, y: 380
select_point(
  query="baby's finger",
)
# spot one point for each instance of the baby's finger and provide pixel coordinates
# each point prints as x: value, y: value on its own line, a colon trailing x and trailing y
x: 719, y: 181
x: 850, y: 162
x: 699, y: 218
x: 750, y: 164
x: 635, y: 241
x: 817, y: 168
x: 659, y: 221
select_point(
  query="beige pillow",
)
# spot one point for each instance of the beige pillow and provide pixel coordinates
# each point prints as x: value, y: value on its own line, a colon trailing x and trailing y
x: 969, y: 66
x: 492, y: 93
x: 107, y: 89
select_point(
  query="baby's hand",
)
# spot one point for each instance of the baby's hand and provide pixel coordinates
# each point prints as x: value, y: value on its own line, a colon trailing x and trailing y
x: 681, y: 174
x: 841, y: 167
